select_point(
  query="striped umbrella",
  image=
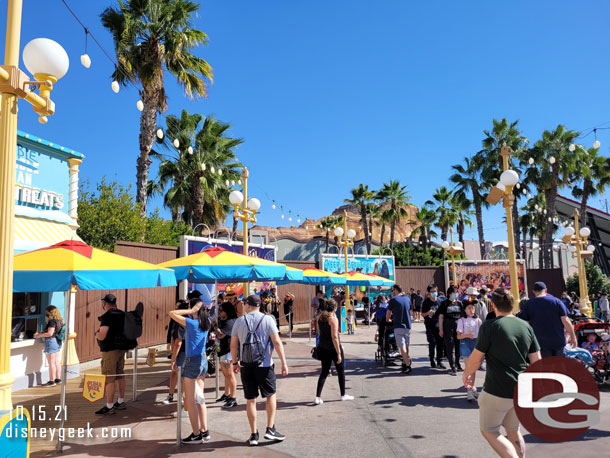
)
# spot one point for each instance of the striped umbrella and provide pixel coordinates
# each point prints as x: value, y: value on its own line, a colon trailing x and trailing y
x: 313, y: 276
x: 385, y: 281
x: 359, y: 279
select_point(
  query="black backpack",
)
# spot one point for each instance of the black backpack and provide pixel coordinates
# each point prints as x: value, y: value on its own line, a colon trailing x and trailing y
x: 133, y: 326
x: 253, y: 354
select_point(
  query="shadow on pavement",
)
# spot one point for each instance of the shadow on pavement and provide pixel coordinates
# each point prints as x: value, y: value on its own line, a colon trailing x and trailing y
x: 443, y: 402
x: 589, y: 435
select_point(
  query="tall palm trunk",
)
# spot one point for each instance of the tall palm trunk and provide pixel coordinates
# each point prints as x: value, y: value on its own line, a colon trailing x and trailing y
x: 327, y: 242
x: 371, y: 230
x: 392, y: 228
x: 367, y: 240
x: 460, y: 230
x: 444, y: 231
x: 583, y: 202
x: 234, y: 226
x: 382, y: 235
x: 176, y: 212
x: 531, y: 249
x: 148, y: 125
x: 551, y: 197
x: 197, y: 212
x: 479, y: 217
x: 524, y: 246
x: 540, y: 252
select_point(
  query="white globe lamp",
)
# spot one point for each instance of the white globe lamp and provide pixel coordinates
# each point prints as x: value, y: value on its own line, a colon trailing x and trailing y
x: 236, y: 197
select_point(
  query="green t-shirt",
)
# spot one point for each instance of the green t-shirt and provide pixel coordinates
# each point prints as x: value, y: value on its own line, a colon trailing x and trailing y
x: 506, y: 342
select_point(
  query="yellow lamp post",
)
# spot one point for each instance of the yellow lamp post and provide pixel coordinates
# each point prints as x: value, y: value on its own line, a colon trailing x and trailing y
x: 576, y: 239
x: 345, y: 238
x: 246, y: 211
x: 452, y: 249
x: 48, y: 62
x: 504, y: 190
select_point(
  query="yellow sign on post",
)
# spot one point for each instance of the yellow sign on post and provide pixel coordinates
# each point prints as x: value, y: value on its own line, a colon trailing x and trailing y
x: 94, y: 387
x: 152, y: 357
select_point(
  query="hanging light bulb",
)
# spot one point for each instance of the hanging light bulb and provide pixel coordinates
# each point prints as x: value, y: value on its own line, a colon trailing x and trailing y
x: 115, y: 87
x: 529, y: 196
x: 273, y: 207
x: 552, y: 159
x: 299, y: 220
x: 536, y: 206
x: 239, y: 182
x: 219, y: 171
x: 140, y: 105
x: 228, y: 183
x: 282, y: 216
x: 232, y: 182
x: 530, y: 160
x: 596, y: 144
x: 572, y: 147
x: 550, y: 219
x: 203, y: 166
x: 190, y: 150
x: 176, y: 143
x: 85, y: 60
x: 212, y: 169
x: 524, y: 192
x: 518, y: 185
x: 159, y: 134
x: 290, y: 218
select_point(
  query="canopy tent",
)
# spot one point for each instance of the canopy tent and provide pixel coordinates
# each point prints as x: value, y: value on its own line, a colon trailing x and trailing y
x: 313, y: 276
x: 354, y: 278
x: 71, y: 264
x: 293, y: 275
x: 384, y: 281
x: 218, y: 264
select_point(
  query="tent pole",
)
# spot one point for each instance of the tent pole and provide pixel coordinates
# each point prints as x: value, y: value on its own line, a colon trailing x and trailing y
x: 64, y: 367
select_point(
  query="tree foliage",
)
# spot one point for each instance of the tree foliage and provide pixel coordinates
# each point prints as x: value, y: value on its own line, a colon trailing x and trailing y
x: 108, y: 214
x: 597, y: 282
x: 414, y: 255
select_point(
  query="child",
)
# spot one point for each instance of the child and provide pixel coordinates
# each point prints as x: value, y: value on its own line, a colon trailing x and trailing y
x: 467, y: 333
x: 350, y: 321
x: 590, y: 344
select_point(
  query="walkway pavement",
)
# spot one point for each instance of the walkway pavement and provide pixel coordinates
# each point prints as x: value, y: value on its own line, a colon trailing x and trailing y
x: 423, y: 414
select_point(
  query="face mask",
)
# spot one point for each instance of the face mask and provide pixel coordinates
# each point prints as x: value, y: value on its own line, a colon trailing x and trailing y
x: 433, y: 295
x: 454, y: 296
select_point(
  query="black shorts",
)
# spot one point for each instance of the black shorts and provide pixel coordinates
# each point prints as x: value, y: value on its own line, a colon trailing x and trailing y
x: 254, y: 379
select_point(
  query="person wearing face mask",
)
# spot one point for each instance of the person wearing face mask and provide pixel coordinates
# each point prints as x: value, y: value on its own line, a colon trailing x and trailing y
x: 435, y: 343
x: 449, y: 312
x: 480, y: 309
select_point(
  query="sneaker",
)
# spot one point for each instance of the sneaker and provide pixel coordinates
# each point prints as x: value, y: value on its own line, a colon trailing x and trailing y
x: 57, y: 381
x: 452, y: 371
x: 193, y: 439
x: 470, y: 396
x: 253, y: 439
x: 475, y: 393
x: 347, y: 397
x: 121, y: 406
x: 272, y: 434
x: 406, y: 369
x: 318, y: 401
x: 458, y: 367
x: 231, y: 402
x: 432, y: 364
x: 49, y: 383
x: 169, y: 399
x: 205, y: 436
x: 105, y: 411
x: 223, y: 398
x: 440, y: 366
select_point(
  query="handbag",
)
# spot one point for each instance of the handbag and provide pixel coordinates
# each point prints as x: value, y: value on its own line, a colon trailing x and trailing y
x: 315, y: 354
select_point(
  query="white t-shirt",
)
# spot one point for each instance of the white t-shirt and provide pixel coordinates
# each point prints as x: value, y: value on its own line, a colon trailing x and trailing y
x: 469, y: 326
x: 603, y: 304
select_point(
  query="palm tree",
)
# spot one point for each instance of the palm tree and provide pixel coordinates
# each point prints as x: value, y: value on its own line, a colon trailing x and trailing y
x: 461, y: 206
x: 374, y: 212
x: 192, y: 190
x: 554, y: 166
x: 468, y: 182
x: 425, y: 218
x: 397, y: 198
x: 360, y: 196
x: 592, y: 176
x: 445, y: 213
x: 328, y: 224
x: 150, y: 38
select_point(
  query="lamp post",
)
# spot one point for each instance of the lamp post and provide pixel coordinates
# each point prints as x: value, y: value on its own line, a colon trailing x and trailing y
x: 345, y: 238
x: 452, y: 249
x: 48, y: 62
x: 504, y: 190
x: 246, y: 211
x: 576, y: 239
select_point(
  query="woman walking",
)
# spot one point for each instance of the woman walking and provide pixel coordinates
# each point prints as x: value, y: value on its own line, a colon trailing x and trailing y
x: 226, y: 319
x: 195, y: 366
x: 330, y: 350
x: 52, y: 344
x: 450, y: 311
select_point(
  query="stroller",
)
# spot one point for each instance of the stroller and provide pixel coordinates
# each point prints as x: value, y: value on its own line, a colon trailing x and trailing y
x: 387, y: 349
x: 597, y: 362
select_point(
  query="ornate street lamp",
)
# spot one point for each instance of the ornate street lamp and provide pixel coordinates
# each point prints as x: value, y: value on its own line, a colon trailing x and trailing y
x: 345, y: 238
x: 452, y: 249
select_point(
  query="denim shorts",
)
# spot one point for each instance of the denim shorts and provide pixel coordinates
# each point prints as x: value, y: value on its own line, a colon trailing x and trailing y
x: 226, y: 358
x: 195, y: 366
x: 51, y: 345
x: 467, y: 347
x: 180, y: 358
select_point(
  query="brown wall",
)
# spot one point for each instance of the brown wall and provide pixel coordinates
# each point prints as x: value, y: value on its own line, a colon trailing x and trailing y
x: 157, y: 303
x: 552, y: 278
x: 303, y: 294
x: 420, y: 277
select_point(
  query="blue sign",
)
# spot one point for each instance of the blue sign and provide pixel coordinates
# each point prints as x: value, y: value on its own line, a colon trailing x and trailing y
x: 378, y: 265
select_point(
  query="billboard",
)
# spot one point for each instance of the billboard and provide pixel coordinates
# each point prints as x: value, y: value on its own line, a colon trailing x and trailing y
x: 378, y: 265
x: 191, y: 245
x: 491, y: 274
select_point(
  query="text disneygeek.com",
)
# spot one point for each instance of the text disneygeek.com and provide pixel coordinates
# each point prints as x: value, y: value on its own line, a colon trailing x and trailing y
x: 61, y: 434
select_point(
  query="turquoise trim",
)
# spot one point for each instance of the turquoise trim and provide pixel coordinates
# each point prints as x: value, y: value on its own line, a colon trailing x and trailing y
x: 37, y: 142
x: 229, y: 274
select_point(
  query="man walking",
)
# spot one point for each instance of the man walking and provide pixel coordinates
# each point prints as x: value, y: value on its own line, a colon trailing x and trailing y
x: 112, y: 342
x: 604, y: 308
x: 253, y: 335
x: 435, y: 342
x: 398, y: 312
x: 549, y: 318
x: 507, y: 343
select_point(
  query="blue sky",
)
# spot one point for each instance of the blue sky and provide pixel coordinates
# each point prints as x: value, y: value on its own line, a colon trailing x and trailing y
x: 330, y: 94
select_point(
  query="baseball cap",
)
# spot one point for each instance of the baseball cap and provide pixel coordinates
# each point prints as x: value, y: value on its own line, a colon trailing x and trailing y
x: 109, y: 298
x: 253, y: 300
x: 539, y: 286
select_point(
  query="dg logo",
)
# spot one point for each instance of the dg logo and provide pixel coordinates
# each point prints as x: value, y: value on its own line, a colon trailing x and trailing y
x: 557, y: 399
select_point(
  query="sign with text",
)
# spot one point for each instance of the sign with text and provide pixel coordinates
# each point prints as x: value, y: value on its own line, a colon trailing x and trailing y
x: 94, y: 387
x: 491, y: 274
x: 378, y: 265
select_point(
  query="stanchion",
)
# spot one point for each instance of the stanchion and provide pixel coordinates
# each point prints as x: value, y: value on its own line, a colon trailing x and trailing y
x: 217, y: 373
x: 290, y: 325
x: 135, y: 373
x: 179, y: 409
x: 310, y: 320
